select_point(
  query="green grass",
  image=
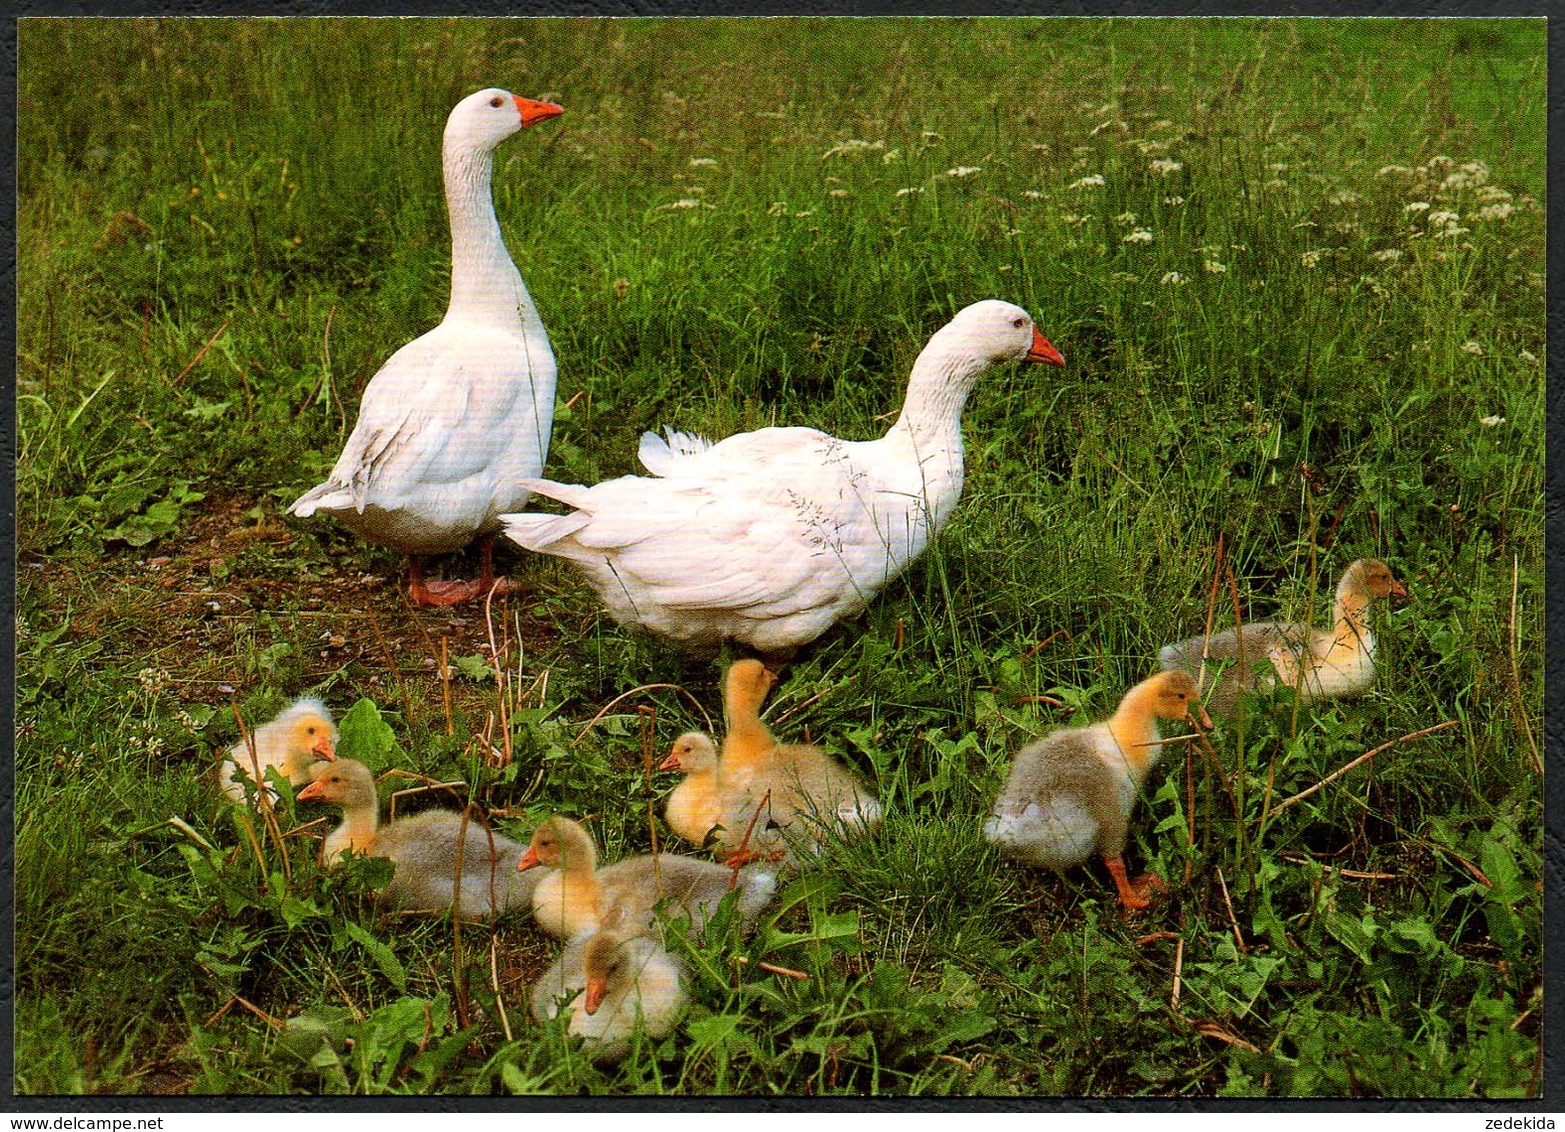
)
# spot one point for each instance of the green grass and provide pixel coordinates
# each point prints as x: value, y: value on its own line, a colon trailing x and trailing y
x: 1298, y: 368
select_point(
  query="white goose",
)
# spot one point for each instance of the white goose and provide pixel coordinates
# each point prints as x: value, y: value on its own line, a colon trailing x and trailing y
x: 769, y: 537
x: 457, y: 419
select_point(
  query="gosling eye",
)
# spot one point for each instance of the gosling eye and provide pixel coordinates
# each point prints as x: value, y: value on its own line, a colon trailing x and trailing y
x: 309, y: 731
x: 497, y: 102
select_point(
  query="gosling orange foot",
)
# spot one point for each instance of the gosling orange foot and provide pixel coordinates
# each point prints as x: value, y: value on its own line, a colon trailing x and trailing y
x: 1134, y: 895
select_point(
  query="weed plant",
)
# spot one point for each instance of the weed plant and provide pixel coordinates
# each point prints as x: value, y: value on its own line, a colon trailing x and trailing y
x: 1296, y: 268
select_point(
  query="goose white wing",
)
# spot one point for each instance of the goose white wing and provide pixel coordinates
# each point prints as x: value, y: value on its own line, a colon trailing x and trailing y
x: 440, y: 412
x: 769, y: 523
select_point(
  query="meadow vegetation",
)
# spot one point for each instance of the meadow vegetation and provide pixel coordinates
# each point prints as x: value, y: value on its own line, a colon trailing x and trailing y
x: 1296, y: 270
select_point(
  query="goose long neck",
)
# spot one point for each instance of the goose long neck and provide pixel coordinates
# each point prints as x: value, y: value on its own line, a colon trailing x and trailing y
x: 1135, y: 730
x: 485, y: 284
x: 937, y: 391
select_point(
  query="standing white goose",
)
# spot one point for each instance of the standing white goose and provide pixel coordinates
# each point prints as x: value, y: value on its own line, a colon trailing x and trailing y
x: 457, y: 419
x: 769, y: 537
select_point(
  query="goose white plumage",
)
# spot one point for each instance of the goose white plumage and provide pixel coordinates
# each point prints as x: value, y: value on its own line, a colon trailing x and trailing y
x: 770, y: 537
x: 456, y: 420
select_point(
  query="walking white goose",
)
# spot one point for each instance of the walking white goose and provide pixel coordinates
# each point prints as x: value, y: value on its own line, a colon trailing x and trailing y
x: 456, y: 420
x: 769, y: 537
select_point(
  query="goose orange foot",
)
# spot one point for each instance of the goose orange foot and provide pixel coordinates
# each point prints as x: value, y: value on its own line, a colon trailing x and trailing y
x: 443, y: 592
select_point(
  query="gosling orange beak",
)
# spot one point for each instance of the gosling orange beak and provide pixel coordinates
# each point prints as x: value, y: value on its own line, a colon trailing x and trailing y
x: 595, y: 991
x: 1398, y: 589
x: 324, y: 749
x: 1205, y: 720
x: 1044, y: 351
x: 535, y: 112
x: 314, y: 792
x: 527, y: 860
x: 670, y: 763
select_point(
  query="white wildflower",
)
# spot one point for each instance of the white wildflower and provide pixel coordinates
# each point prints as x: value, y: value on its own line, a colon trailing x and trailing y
x: 1073, y: 220
x: 1128, y: 219
x: 837, y: 193
x: 1528, y: 356
x: 703, y: 162
x: 687, y: 202
x: 852, y: 145
x: 1457, y: 230
x: 1501, y: 211
x: 1416, y: 206
x: 1150, y: 147
x: 1491, y: 193
x: 1174, y: 201
x: 1471, y: 347
x: 963, y: 171
x: 907, y: 191
x: 1162, y: 166
x: 1399, y: 170
x: 1491, y: 422
x: 1344, y: 197
x: 1387, y: 255
x: 1139, y: 236
x: 1442, y: 219
x: 1091, y: 181
x: 1275, y: 183
x: 804, y: 213
x: 1277, y: 167
x: 777, y: 208
x: 1212, y: 267
x: 1311, y: 258
x: 1033, y: 194
x: 1173, y: 277
x: 930, y: 136
x: 1471, y: 175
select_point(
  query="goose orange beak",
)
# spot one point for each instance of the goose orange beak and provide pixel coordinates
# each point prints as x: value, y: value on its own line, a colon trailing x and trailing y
x: 1043, y: 350
x: 314, y: 792
x: 527, y: 860
x: 535, y: 112
x: 595, y: 991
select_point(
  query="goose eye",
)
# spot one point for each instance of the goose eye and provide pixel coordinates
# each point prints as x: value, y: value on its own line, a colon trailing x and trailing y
x: 1019, y: 323
x: 497, y: 102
